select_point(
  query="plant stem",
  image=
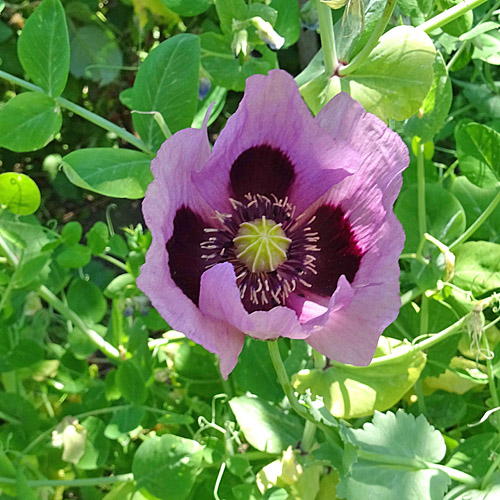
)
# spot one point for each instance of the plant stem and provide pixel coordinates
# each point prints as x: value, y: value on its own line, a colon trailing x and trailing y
x: 88, y: 481
x: 422, y: 227
x: 110, y: 351
x: 422, y: 213
x: 327, y: 38
x: 403, y: 351
x: 84, y: 113
x: 307, y: 440
x: 279, y: 367
x: 372, y: 41
x: 116, y: 262
x: 478, y: 222
x: 68, y: 313
x: 449, y: 15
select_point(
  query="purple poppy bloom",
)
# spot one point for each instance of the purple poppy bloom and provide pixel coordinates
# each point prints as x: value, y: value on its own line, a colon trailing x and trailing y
x: 284, y: 229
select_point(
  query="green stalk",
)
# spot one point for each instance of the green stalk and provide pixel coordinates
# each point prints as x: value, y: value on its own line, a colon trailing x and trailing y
x: 279, y: 367
x: 422, y: 227
x: 327, y: 38
x: 491, y: 379
x: 68, y: 313
x: 372, y: 41
x: 477, y: 223
x: 404, y: 351
x: 422, y: 213
x: 105, y: 347
x: 74, y: 483
x: 84, y: 113
x: 449, y: 15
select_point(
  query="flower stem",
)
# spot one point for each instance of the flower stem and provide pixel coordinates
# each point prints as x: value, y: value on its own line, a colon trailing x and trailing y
x: 478, y: 222
x: 279, y: 367
x: 372, y: 41
x: 449, y: 15
x: 74, y: 483
x: 327, y: 38
x: 84, y: 113
x: 422, y: 227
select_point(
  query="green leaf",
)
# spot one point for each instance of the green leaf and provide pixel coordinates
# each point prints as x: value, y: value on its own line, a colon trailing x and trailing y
x: 17, y: 410
x: 124, y: 421
x: 72, y: 233
x: 434, y: 111
x: 120, y: 173
x: 187, y: 8
x: 131, y: 381
x: 32, y: 270
x: 227, y: 10
x: 265, y: 426
x: 478, y: 153
x: 415, y: 8
x: 95, y: 54
x: 167, y: 466
x: 28, y: 122
x: 475, y: 200
x: 255, y: 373
x: 5, y: 32
x: 445, y: 216
x: 225, y: 70
x: 393, y: 82
x: 98, y: 238
x: 87, y: 300
x: 458, y: 26
x: 444, y: 409
x: 487, y: 47
x: 23, y: 489
x: 353, y: 391
x: 477, y: 267
x: 43, y: 47
x: 474, y: 455
x: 25, y: 353
x: 74, y: 256
x: 395, y: 445
x: 97, y: 446
x: 167, y: 83
x: 479, y: 29
x: 19, y: 193
x: 288, y: 22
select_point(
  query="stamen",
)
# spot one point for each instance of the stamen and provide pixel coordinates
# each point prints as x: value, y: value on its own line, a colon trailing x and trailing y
x: 271, y: 251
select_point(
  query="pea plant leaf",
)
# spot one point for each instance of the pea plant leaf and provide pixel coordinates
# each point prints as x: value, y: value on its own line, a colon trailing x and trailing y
x: 43, y: 47
x: 19, y: 193
x: 29, y: 122
x: 478, y: 153
x: 167, y: 83
x: 121, y: 173
x: 167, y: 466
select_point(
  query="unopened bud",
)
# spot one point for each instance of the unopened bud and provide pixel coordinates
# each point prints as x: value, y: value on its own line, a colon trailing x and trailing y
x: 266, y: 33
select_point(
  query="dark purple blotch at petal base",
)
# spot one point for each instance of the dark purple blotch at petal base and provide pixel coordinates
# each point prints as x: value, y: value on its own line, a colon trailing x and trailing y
x: 184, y: 252
x: 262, y: 170
x: 338, y: 252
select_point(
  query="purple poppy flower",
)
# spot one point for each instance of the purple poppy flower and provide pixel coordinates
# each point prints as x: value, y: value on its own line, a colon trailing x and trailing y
x: 284, y: 229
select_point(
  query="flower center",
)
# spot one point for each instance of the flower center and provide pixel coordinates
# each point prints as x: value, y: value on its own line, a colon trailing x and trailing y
x: 273, y: 251
x: 261, y: 245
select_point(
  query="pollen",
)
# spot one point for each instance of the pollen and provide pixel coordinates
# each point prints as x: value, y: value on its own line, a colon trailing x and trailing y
x: 261, y: 245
